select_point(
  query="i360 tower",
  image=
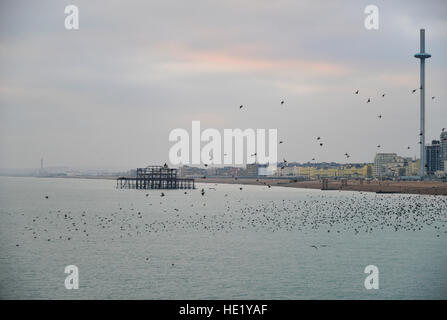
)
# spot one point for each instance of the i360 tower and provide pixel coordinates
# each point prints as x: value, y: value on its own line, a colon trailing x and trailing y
x: 422, y: 55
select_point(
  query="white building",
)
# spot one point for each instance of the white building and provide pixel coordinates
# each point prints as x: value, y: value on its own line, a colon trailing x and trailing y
x: 382, y: 161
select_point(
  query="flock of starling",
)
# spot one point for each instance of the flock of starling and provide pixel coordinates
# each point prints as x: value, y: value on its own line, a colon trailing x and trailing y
x: 364, y: 213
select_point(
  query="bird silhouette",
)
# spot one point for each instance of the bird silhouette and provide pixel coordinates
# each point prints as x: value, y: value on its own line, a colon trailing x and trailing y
x: 369, y: 100
x: 356, y: 92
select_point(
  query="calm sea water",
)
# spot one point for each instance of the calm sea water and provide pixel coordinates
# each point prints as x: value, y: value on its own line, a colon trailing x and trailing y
x: 254, y: 243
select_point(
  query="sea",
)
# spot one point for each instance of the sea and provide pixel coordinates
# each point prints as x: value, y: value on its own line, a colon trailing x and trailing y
x: 219, y: 241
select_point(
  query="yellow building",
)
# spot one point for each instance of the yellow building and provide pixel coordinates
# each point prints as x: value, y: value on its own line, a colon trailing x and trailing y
x: 346, y: 171
x: 413, y: 168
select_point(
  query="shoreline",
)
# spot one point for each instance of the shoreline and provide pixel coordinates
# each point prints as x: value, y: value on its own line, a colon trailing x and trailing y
x: 401, y: 187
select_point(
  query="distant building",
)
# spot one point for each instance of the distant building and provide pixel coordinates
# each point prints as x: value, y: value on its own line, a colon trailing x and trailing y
x: 263, y: 170
x: 229, y: 172
x: 381, y: 162
x: 348, y: 171
x: 433, y: 157
x: 187, y: 171
x: 413, y: 168
x: 397, y: 168
x: 251, y: 170
x: 288, y: 171
x: 443, y: 139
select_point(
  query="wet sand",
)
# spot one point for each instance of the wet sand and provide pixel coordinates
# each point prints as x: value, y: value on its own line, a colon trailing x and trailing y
x: 411, y: 187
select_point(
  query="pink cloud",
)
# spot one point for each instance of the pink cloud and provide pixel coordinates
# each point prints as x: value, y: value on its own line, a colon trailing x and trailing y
x: 187, y: 59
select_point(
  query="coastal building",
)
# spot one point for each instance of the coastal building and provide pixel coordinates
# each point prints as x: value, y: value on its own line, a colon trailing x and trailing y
x: 187, y: 171
x: 288, y: 171
x: 346, y: 171
x: 263, y: 170
x: 227, y: 172
x: 381, y: 161
x: 397, y: 168
x: 251, y: 170
x: 413, y: 168
x: 443, y: 139
x: 433, y: 157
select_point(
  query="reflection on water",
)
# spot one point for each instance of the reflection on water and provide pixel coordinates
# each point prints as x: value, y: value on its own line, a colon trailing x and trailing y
x: 254, y: 243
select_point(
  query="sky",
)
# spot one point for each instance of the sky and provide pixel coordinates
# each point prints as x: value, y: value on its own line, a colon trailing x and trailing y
x: 108, y: 94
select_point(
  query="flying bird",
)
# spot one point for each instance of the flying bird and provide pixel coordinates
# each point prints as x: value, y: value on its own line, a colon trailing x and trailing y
x: 414, y: 90
x: 282, y: 102
x: 369, y: 100
x: 281, y: 142
x: 383, y: 95
x: 357, y: 92
x: 380, y: 116
x: 241, y: 106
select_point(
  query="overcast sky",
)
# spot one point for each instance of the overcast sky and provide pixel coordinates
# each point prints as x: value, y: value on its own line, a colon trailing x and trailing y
x: 108, y: 94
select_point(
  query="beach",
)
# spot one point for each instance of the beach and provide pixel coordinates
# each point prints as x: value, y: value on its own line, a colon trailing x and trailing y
x: 406, y: 187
